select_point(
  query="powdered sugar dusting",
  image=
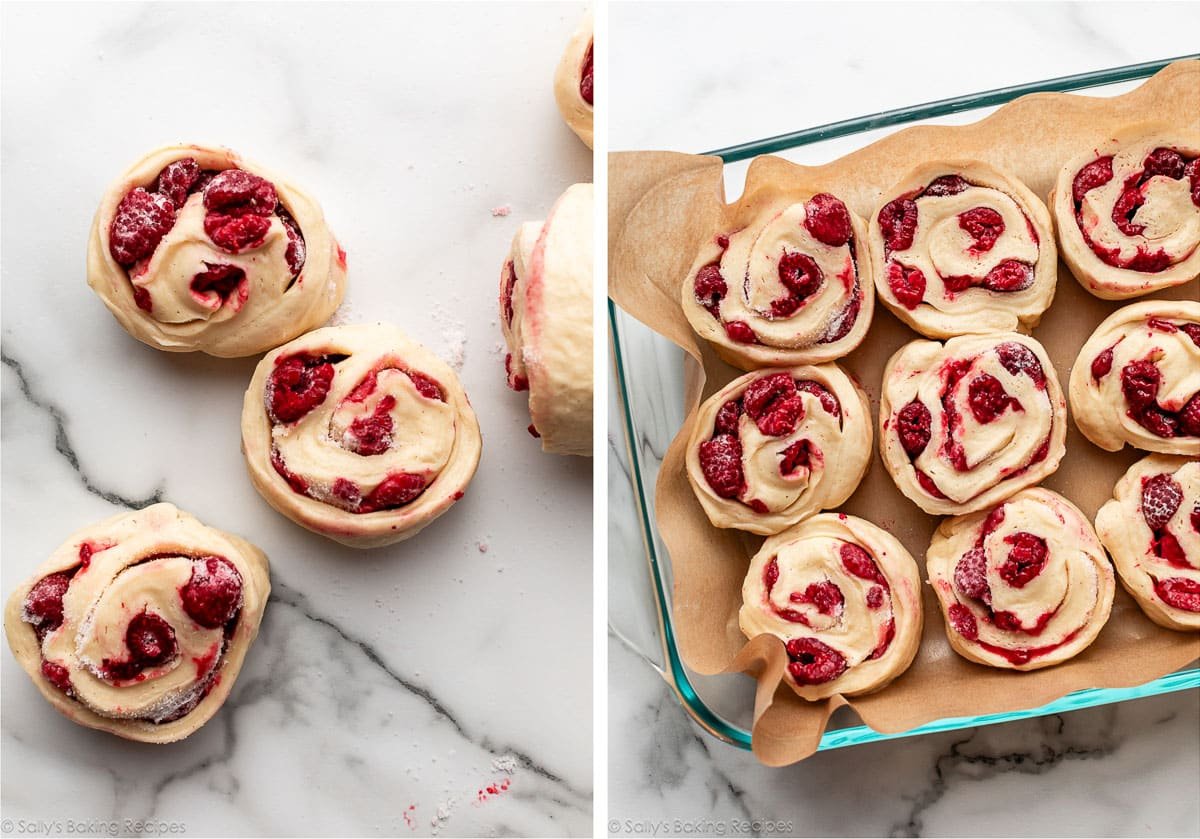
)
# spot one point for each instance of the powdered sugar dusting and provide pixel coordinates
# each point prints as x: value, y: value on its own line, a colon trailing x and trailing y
x: 442, y: 815
x: 505, y: 763
x: 454, y: 337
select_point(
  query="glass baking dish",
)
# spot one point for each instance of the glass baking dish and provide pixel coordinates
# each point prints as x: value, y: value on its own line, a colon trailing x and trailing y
x: 648, y: 386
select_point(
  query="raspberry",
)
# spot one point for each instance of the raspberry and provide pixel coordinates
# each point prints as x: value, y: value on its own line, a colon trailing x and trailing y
x: 1157, y: 421
x: 234, y: 234
x: 727, y: 417
x: 913, y: 425
x: 1139, y: 382
x: 1102, y: 364
x: 945, y: 185
x: 828, y: 220
x: 213, y: 595
x: 297, y: 250
x: 826, y: 596
x: 828, y: 400
x: 347, y: 491
x: 926, y: 483
x: 1026, y: 559
x: 907, y: 284
x: 1126, y: 207
x: 237, y: 192
x: 771, y: 574
x: 709, y: 285
x: 372, y: 434
x: 858, y: 562
x: 141, y: 220
x: 1167, y: 547
x: 396, y: 490
x: 874, y: 597
x: 984, y: 225
x: 799, y: 273
x: 814, y: 662
x: 58, y: 676
x: 1161, y: 497
x: 1193, y: 170
x: 44, y: 604
x: 221, y: 279
x: 798, y: 454
x: 297, y: 385
x: 1179, y: 592
x: 970, y: 575
x: 773, y: 404
x: 426, y: 386
x: 506, y: 294
x: 988, y: 399
x: 150, y: 641
x: 1149, y: 262
x: 1166, y: 162
x: 1097, y: 173
x: 721, y: 462
x: 1189, y: 418
x: 1018, y: 358
x: 176, y: 180
x: 585, y: 77
x: 740, y: 332
x: 898, y: 223
x: 1009, y: 275
x: 963, y: 621
x: 1160, y: 325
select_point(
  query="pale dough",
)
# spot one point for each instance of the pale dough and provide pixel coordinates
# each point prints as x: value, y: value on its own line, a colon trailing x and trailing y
x: 576, y: 111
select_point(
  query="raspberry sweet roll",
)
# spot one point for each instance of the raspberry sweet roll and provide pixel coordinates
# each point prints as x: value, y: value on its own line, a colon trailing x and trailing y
x: 546, y: 318
x: 194, y: 248
x: 844, y: 596
x: 1137, y: 379
x: 775, y: 446
x: 1023, y: 585
x: 138, y: 625
x: 1152, y: 529
x: 791, y: 287
x: 968, y: 423
x: 1127, y: 211
x: 963, y: 247
x: 359, y: 434
x: 573, y: 82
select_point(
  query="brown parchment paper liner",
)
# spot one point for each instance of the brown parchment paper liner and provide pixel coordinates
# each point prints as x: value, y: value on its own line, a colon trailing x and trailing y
x: 662, y: 205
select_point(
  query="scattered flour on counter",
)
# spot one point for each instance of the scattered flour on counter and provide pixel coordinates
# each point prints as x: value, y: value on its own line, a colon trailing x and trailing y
x: 501, y: 211
x: 454, y: 337
x: 443, y: 815
x: 505, y: 763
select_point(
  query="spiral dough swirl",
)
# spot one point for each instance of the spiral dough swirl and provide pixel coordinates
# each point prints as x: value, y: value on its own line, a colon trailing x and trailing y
x: 1024, y: 585
x: 358, y: 433
x: 775, y: 446
x: 138, y: 625
x: 1152, y: 529
x: 792, y: 287
x: 845, y: 598
x: 967, y: 423
x: 1137, y: 379
x: 1127, y: 211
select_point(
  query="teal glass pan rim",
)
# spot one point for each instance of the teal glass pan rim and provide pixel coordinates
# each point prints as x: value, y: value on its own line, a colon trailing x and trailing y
x: 677, y: 676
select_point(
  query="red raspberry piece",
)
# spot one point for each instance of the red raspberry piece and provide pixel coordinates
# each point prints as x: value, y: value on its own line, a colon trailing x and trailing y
x: 506, y: 295
x: 518, y: 382
x: 814, y: 662
x: 826, y: 596
x: 1097, y: 173
x: 1126, y: 206
x: 1009, y: 275
x: 727, y: 417
x: 1026, y: 559
x: 798, y: 454
x: 874, y: 597
x: 1157, y: 421
x: 44, y: 604
x: 828, y: 220
x: 709, y: 286
x: 1160, y: 325
x: 907, y: 284
x: 366, y: 387
x: 1149, y: 262
x: 585, y: 77
x: 297, y: 385
x: 740, y: 332
x: 176, y: 180
x: 913, y: 426
x: 372, y: 434
x: 1193, y: 170
x: 426, y: 386
x: 1139, y: 383
x: 213, y: 595
x: 297, y: 250
x: 1167, y: 547
x: 771, y: 574
x: 150, y: 641
x: 898, y: 223
x: 58, y: 676
x: 956, y: 285
x: 945, y: 185
x: 1161, y: 497
x: 396, y: 490
x: 141, y: 297
x: 1179, y: 592
x: 842, y: 322
x: 1166, y: 162
x: 988, y: 399
x: 926, y: 483
x: 234, y: 234
x: 347, y: 491
x: 773, y: 404
x: 963, y: 621
x: 984, y: 225
x: 858, y: 562
x: 1195, y: 517
x: 1189, y: 418
x: 1102, y: 364
x: 970, y: 575
x: 799, y: 273
x: 533, y: 432
x: 1018, y: 358
x: 298, y: 484
x: 141, y: 220
x: 238, y: 192
x: 721, y: 462
x: 219, y: 278
x: 828, y: 400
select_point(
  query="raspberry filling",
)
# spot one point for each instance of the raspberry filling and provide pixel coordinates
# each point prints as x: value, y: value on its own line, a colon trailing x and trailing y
x: 1102, y: 364
x: 987, y: 399
x: 721, y: 462
x: 141, y: 220
x: 1179, y: 592
x: 58, y: 676
x: 907, y: 284
x: 516, y: 382
x: 396, y: 490
x: 372, y: 434
x: 814, y: 662
x: 945, y: 185
x: 1161, y: 162
x: 585, y: 76
x: 213, y: 594
x: 710, y: 288
x: 898, y: 223
x: 984, y: 225
x: 741, y: 332
x: 914, y: 426
x: 219, y: 281
x: 962, y: 620
x: 239, y: 208
x: 774, y: 405
x: 1140, y: 383
x: 1026, y: 559
x: 151, y: 643
x: 1018, y: 359
x: 1161, y: 497
x: 43, y: 607
x: 970, y: 575
x: 298, y: 384
x: 506, y: 294
x: 828, y: 220
x: 801, y: 276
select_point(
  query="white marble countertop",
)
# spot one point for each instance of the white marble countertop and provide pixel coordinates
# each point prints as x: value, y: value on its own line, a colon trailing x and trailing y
x: 383, y: 680
x: 732, y: 73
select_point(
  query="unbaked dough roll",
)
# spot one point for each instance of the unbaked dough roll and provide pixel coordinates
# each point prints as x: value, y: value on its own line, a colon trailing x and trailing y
x: 962, y: 247
x: 139, y: 624
x: 968, y: 423
x: 194, y: 248
x: 546, y: 318
x: 573, y: 82
x: 791, y: 287
x: 1152, y: 529
x: 1137, y: 379
x: 1127, y: 211
x: 1024, y: 585
x: 845, y: 598
x: 775, y: 446
x: 358, y: 433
